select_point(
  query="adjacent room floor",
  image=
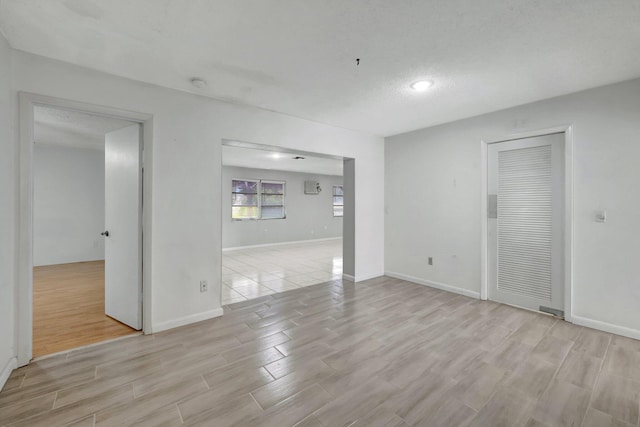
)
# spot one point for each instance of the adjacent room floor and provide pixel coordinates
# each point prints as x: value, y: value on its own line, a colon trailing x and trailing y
x: 384, y: 352
x: 255, y: 272
x: 68, y: 308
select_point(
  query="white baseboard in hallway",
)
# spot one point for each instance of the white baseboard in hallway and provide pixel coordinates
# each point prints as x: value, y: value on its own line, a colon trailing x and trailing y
x: 441, y: 286
x: 606, y: 327
x: 186, y: 320
x: 363, y: 277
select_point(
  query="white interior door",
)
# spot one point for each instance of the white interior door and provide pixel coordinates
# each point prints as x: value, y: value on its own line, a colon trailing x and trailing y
x: 123, y: 249
x: 526, y: 222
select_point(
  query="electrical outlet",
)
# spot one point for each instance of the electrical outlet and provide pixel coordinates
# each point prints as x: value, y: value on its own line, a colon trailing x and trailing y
x: 204, y: 286
x: 430, y: 260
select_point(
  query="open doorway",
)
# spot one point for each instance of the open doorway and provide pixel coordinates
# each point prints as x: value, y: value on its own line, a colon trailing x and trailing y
x: 283, y: 224
x: 86, y: 228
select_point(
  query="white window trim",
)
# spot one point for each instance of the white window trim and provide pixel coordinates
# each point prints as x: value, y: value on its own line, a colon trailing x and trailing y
x: 259, y: 197
x: 257, y: 181
x: 333, y: 205
x: 284, y: 192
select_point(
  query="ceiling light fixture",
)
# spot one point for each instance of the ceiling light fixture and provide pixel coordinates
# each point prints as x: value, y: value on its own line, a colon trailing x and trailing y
x: 275, y: 155
x: 421, y: 85
x: 198, y: 83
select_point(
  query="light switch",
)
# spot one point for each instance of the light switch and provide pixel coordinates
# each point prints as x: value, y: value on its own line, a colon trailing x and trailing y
x: 601, y: 216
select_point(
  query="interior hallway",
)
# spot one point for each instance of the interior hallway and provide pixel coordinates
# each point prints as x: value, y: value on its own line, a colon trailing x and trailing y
x: 68, y: 308
x: 255, y: 272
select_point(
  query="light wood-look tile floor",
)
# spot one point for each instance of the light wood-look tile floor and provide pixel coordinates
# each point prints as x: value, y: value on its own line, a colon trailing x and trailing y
x: 68, y: 308
x: 378, y: 353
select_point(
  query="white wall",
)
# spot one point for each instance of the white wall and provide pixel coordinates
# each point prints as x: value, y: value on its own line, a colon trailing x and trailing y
x: 8, y: 197
x: 68, y: 204
x: 432, y: 190
x: 186, y: 175
x: 308, y: 216
x: 349, y: 223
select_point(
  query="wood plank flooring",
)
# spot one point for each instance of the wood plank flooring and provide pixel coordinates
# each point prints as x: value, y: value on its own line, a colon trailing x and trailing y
x: 378, y: 353
x: 68, y: 308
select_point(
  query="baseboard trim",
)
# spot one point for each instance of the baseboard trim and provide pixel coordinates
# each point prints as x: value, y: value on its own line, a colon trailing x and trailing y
x: 236, y: 248
x: 441, y: 286
x: 348, y: 277
x: 186, y: 320
x: 363, y: 277
x: 606, y: 327
x: 6, y: 371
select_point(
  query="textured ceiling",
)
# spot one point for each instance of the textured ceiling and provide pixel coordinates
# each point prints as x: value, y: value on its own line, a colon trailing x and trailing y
x: 298, y: 56
x: 262, y: 159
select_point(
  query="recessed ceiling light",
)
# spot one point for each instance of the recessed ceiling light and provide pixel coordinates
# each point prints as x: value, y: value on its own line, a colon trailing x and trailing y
x: 275, y: 155
x: 421, y: 85
x: 198, y: 83
x: 298, y: 158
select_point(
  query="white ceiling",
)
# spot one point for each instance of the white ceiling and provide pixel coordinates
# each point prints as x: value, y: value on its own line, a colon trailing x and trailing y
x: 279, y: 160
x: 69, y: 128
x: 298, y: 57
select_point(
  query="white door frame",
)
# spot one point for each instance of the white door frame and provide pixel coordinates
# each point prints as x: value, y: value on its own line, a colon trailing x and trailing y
x: 24, y: 306
x: 568, y: 210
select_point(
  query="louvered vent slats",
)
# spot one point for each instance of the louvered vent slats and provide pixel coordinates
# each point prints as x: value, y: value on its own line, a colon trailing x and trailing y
x: 524, y: 221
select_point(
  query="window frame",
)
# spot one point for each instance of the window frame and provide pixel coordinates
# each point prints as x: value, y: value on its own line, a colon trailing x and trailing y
x: 259, y: 194
x: 333, y: 200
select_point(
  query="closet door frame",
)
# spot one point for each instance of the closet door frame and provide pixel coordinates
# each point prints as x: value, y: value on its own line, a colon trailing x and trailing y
x: 568, y: 209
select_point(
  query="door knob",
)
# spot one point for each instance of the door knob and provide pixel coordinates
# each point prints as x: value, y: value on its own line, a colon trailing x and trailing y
x: 105, y: 233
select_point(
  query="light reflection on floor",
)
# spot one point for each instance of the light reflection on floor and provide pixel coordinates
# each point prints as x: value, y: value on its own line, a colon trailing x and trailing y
x: 255, y: 272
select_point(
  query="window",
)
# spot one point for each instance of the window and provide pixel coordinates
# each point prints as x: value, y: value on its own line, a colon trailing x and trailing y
x: 338, y: 200
x: 271, y: 199
x: 256, y: 199
x: 244, y: 199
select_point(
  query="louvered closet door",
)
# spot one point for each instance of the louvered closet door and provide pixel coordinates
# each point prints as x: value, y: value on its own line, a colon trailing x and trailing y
x: 526, y: 217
